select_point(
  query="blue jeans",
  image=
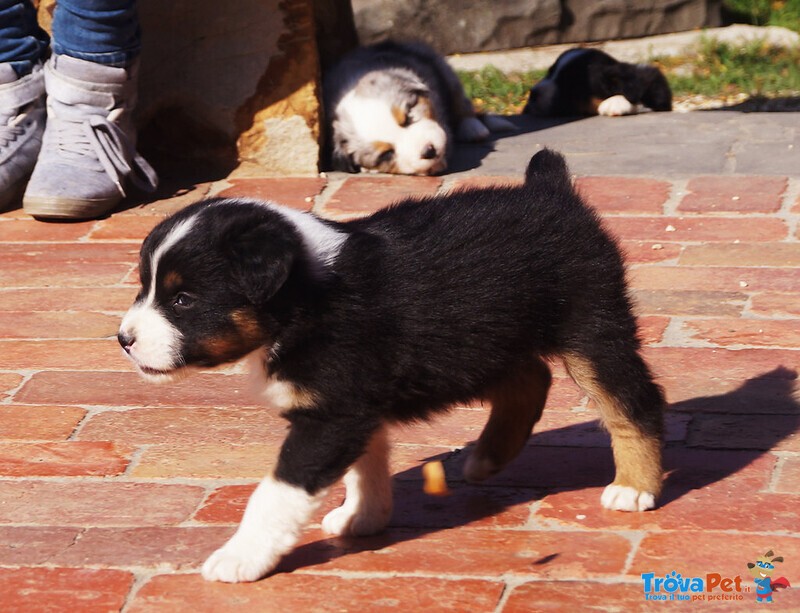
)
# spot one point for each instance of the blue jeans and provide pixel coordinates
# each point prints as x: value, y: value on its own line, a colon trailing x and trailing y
x: 102, y: 31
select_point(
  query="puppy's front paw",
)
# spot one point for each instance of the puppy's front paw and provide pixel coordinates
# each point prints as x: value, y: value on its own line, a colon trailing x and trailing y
x: 625, y: 498
x: 238, y: 561
x: 616, y: 106
x: 356, y: 522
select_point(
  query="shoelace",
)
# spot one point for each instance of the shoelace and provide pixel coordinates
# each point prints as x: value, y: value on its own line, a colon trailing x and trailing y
x: 97, y: 137
x: 11, y: 128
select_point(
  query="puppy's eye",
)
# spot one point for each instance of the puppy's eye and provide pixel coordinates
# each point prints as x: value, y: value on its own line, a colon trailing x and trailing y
x: 182, y: 302
x: 386, y: 157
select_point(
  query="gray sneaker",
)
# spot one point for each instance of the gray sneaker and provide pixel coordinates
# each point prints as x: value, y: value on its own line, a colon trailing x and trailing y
x: 88, y: 154
x: 22, y: 118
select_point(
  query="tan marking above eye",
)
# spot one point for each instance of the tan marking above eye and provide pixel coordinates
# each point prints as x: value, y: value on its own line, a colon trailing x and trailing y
x: 172, y: 280
x: 400, y: 116
x: 425, y: 108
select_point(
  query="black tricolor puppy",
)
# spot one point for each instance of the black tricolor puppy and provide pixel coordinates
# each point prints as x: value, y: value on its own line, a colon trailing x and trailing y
x: 590, y: 82
x: 398, y: 107
x: 351, y: 327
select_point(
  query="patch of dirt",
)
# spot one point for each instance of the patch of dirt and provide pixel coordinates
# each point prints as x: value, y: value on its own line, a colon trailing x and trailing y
x: 743, y: 103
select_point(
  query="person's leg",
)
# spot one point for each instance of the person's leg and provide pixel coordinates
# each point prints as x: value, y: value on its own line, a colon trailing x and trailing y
x: 88, y: 155
x: 100, y: 31
x: 23, y: 43
x: 22, y: 48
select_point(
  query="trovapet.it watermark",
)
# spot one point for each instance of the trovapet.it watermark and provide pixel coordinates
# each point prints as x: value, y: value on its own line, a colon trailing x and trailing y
x: 710, y: 587
x: 717, y: 587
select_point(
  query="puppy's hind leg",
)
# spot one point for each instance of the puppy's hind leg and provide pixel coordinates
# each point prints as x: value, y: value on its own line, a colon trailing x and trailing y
x: 367, y: 506
x: 517, y: 405
x: 631, y: 406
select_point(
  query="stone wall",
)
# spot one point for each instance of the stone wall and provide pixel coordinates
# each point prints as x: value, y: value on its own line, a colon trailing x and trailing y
x: 226, y: 85
x: 238, y: 82
x: 463, y: 26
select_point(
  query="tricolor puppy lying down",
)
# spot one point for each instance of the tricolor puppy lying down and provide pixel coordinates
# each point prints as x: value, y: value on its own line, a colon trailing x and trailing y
x: 351, y: 327
x: 590, y: 82
x: 399, y: 107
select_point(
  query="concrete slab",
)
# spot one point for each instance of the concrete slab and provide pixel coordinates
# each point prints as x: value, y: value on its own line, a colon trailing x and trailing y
x: 650, y: 144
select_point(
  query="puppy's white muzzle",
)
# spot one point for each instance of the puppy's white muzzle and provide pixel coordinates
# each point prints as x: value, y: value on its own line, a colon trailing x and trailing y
x: 151, y: 342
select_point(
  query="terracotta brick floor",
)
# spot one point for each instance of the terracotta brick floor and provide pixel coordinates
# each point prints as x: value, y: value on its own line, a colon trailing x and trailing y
x: 112, y: 492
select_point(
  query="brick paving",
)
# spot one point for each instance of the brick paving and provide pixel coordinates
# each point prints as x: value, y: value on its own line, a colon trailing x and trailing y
x: 112, y: 491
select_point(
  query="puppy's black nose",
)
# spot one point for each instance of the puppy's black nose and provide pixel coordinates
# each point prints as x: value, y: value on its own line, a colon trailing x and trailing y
x: 429, y: 152
x: 126, y: 341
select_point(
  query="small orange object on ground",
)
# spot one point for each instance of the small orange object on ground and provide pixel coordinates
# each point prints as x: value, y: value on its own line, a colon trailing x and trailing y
x: 435, y: 482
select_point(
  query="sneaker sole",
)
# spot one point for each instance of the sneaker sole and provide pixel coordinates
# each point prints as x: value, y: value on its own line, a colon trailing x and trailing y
x: 68, y: 208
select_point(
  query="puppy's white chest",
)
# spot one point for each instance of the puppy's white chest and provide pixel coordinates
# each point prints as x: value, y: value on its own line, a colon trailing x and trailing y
x: 267, y: 388
x: 282, y: 394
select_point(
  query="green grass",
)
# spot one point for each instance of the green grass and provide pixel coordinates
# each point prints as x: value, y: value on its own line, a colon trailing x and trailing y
x: 718, y: 69
x: 492, y: 91
x: 784, y: 13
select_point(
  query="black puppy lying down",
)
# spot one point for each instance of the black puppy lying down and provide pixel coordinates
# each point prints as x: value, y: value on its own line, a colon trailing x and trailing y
x: 350, y: 327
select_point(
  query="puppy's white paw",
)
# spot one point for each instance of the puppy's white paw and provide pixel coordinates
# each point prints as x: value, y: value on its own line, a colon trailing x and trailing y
x: 616, y: 106
x: 238, y: 561
x: 471, y: 130
x: 348, y: 521
x: 625, y: 498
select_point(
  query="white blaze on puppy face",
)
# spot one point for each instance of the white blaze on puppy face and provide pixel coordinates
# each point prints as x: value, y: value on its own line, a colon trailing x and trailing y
x: 156, y: 343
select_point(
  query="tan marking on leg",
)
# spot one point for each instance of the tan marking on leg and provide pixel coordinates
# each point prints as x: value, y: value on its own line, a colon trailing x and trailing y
x: 637, y: 454
x: 517, y: 405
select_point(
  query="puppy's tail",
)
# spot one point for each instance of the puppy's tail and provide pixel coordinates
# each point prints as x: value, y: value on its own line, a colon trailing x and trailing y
x: 547, y: 165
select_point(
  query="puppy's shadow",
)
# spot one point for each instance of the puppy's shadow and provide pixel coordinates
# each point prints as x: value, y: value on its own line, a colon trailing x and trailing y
x: 468, y: 156
x: 722, y: 436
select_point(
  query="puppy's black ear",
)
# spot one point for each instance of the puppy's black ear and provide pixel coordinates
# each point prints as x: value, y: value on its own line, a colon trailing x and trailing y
x: 657, y: 94
x: 261, y: 258
x: 341, y: 160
